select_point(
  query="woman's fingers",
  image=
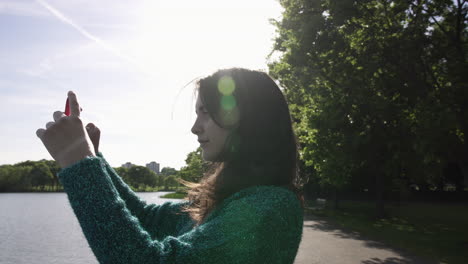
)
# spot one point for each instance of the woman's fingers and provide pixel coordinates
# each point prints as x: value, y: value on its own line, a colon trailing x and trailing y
x: 49, y: 124
x: 66, y: 139
x: 74, y: 105
x: 40, y: 132
x: 58, y: 115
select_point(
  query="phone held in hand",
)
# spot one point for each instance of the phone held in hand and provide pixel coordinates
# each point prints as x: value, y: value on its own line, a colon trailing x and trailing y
x: 67, y: 108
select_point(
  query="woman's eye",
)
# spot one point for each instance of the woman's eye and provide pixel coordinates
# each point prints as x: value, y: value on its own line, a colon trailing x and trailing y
x: 202, y: 112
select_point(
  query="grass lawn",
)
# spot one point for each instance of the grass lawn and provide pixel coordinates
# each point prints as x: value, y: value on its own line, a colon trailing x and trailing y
x: 435, y: 231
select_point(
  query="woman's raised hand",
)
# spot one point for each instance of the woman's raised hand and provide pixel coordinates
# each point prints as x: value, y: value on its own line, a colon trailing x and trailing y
x: 66, y: 138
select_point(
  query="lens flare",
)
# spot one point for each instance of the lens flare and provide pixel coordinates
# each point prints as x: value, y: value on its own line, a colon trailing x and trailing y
x: 228, y: 102
x: 229, y: 112
x: 226, y: 85
x: 230, y: 118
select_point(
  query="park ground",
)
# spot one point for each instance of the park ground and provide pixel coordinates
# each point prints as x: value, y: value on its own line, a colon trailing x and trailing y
x: 414, y: 233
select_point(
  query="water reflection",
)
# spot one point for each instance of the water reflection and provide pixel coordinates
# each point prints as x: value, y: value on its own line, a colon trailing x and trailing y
x: 41, y: 228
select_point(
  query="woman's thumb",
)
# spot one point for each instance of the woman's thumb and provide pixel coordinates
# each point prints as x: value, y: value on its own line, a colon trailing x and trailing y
x: 93, y: 130
x: 90, y: 127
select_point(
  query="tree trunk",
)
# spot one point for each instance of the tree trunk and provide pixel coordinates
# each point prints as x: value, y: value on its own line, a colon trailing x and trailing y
x: 379, y: 199
x: 335, y: 199
x: 463, y: 165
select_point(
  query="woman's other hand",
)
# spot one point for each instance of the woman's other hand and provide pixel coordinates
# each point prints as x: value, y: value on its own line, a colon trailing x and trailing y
x: 66, y: 138
x: 94, y: 134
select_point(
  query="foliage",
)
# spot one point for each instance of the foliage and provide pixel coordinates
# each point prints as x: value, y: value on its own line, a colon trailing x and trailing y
x: 29, y: 176
x: 195, y: 166
x: 167, y: 171
x: 376, y: 88
x: 170, y: 182
x: 176, y: 195
x: 42, y: 175
x: 139, y: 178
x: 142, y: 175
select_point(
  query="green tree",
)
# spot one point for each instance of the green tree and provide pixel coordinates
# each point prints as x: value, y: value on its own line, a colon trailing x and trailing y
x: 139, y: 175
x: 54, y: 169
x: 195, y: 166
x: 41, y: 175
x: 166, y: 171
x: 170, y: 182
x: 124, y: 174
x: 15, y: 178
x: 159, y: 180
x: 24, y: 176
x: 7, y: 179
x: 369, y: 85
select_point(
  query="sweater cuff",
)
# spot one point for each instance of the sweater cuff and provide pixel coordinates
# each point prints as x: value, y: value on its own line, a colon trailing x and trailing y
x: 86, y: 167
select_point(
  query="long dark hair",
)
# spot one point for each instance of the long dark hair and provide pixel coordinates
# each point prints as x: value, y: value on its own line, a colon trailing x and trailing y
x: 261, y: 148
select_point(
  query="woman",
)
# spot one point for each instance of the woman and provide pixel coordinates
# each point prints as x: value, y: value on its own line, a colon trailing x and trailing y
x: 248, y: 209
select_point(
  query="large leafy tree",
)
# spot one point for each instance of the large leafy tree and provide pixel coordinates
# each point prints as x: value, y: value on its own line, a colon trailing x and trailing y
x: 24, y: 176
x: 54, y: 169
x: 41, y: 175
x: 140, y: 175
x: 376, y: 87
x: 15, y: 178
x: 170, y: 182
x: 168, y: 171
x: 195, y: 166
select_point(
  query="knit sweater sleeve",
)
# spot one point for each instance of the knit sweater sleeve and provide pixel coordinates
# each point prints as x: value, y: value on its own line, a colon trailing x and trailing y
x: 237, y: 233
x: 165, y: 216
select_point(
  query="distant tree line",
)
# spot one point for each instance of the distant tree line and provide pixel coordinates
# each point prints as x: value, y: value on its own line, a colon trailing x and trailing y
x: 39, y: 176
x: 30, y: 176
x: 378, y: 92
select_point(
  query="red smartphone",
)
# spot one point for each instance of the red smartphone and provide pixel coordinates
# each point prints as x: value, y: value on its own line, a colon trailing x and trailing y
x: 67, y: 108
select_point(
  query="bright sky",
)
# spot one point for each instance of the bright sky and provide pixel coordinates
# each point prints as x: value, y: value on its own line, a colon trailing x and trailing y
x: 127, y: 61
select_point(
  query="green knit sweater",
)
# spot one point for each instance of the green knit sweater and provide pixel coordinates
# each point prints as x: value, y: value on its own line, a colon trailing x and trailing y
x: 260, y: 224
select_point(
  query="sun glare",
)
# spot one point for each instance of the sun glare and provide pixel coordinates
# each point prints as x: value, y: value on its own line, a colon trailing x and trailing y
x: 131, y: 63
x: 205, y: 35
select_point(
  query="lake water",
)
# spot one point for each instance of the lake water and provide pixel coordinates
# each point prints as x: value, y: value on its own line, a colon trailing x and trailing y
x: 42, y: 228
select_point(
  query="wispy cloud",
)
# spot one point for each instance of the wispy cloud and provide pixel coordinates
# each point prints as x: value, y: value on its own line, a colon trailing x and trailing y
x: 62, y: 17
x: 39, y: 71
x: 21, y: 8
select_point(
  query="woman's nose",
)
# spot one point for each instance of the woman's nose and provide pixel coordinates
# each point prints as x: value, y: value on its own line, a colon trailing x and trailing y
x: 196, y: 128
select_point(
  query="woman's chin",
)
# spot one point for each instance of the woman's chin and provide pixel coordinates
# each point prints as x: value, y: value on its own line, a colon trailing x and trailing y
x: 209, y: 156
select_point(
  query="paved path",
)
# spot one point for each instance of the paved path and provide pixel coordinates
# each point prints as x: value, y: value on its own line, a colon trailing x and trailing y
x: 324, y: 243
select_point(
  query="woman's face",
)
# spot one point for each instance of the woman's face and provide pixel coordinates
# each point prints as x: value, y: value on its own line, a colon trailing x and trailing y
x: 210, y: 135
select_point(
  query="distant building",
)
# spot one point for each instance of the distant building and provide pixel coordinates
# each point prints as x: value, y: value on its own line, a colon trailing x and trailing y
x: 128, y: 165
x: 154, y: 166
